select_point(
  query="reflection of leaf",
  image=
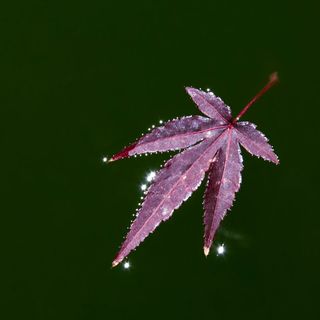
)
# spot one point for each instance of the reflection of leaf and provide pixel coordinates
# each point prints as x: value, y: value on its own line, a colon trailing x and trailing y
x: 211, y: 145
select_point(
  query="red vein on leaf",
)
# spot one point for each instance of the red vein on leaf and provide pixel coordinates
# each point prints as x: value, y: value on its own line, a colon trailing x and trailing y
x: 186, y: 134
x: 125, y: 153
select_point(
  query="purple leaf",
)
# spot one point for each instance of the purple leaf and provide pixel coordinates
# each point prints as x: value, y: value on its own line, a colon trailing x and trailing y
x: 175, y: 134
x: 212, y: 145
x: 255, y: 141
x: 210, y: 105
x: 223, y: 182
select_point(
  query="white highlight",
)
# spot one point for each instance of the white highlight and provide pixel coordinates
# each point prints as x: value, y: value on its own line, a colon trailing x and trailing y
x: 126, y: 265
x: 143, y: 187
x: 105, y: 159
x: 160, y: 121
x: 151, y: 176
x: 164, y: 211
x: 221, y: 250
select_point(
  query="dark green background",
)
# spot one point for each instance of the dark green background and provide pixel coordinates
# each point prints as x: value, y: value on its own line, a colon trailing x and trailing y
x: 80, y: 80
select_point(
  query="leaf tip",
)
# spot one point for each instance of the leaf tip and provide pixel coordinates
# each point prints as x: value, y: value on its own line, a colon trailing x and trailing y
x: 275, y: 160
x: 189, y: 90
x: 115, y: 263
x: 206, y: 251
x: 123, y: 154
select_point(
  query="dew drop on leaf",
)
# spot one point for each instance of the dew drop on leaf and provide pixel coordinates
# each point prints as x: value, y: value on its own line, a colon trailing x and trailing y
x: 151, y: 176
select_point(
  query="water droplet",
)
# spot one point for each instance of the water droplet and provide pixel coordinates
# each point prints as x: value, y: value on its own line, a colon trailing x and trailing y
x: 151, y: 176
x: 164, y: 211
x: 221, y: 250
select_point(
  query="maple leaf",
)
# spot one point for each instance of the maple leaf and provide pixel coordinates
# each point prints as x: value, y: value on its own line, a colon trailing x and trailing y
x: 211, y: 145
